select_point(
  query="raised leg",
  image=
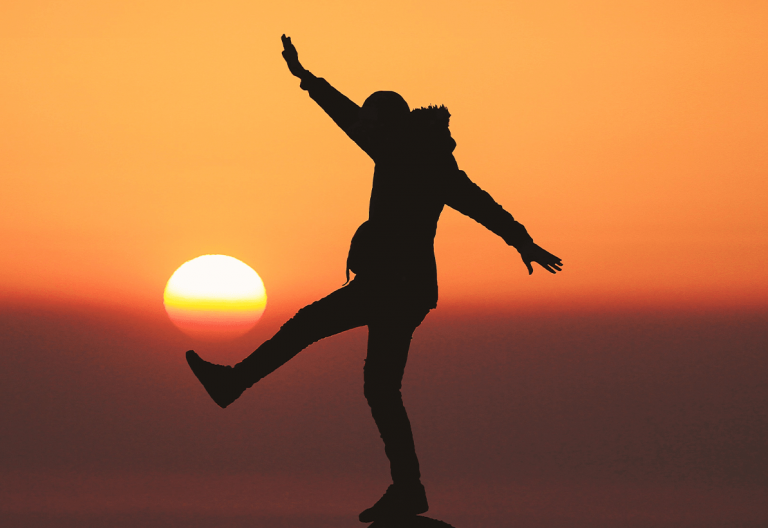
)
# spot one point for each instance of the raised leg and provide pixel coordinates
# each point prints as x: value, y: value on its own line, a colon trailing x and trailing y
x: 342, y: 310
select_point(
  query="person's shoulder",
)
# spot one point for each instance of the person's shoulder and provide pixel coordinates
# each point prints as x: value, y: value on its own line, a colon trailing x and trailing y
x: 430, y: 127
x: 430, y: 138
x: 432, y: 117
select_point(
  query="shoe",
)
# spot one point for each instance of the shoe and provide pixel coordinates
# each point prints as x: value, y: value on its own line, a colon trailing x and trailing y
x: 398, y: 502
x: 221, y: 382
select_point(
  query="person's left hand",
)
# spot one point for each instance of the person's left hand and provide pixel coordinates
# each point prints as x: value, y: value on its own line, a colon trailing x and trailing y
x: 534, y: 253
x: 291, y: 57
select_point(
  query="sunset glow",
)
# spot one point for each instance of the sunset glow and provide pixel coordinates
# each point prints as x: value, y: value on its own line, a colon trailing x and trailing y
x: 215, y: 297
x: 630, y: 132
x: 630, y: 138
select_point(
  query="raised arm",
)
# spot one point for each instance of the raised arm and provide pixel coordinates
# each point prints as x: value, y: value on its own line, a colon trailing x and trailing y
x: 466, y: 197
x: 339, y: 107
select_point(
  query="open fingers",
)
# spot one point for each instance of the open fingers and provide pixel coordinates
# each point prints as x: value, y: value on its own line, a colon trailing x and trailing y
x: 547, y: 267
x: 553, y: 258
x: 287, y: 45
x: 550, y: 266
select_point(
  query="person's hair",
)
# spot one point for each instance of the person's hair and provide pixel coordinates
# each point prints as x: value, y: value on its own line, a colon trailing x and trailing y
x: 432, y: 115
x: 390, y: 105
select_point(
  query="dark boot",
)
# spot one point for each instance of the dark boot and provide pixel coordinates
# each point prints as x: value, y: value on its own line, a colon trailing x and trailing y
x: 223, y: 383
x: 399, y: 501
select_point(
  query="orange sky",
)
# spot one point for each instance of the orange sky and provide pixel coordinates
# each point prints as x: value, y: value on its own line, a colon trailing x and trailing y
x: 629, y: 137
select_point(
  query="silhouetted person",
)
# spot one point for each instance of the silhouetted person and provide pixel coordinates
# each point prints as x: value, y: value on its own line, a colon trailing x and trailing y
x: 392, y: 256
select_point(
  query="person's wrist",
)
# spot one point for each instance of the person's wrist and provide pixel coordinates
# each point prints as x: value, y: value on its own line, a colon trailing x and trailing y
x: 523, y: 246
x: 306, y: 79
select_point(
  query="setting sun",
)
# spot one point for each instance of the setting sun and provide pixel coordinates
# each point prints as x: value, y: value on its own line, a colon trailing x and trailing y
x: 215, y: 297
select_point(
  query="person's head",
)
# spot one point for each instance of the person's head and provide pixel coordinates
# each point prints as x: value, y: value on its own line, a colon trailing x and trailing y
x: 387, y: 108
x: 382, y: 114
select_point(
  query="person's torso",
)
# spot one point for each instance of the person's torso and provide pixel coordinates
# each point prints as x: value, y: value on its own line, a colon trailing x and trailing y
x: 395, y: 247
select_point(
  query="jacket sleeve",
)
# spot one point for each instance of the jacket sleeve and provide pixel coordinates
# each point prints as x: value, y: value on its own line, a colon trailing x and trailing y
x: 338, y: 106
x: 467, y: 198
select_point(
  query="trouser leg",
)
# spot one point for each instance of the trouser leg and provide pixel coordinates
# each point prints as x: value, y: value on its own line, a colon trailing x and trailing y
x: 388, y: 346
x: 331, y: 315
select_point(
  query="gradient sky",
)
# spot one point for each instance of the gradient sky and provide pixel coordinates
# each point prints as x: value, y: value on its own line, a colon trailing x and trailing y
x: 629, y: 138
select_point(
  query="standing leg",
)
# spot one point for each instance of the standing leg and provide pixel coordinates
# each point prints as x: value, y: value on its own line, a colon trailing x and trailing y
x: 340, y: 311
x: 383, y: 374
x: 388, y: 344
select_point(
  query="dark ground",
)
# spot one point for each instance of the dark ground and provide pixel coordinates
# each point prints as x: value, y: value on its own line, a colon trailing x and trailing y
x: 596, y: 419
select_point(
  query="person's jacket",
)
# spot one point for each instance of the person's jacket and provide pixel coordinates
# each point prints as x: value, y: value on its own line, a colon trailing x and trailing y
x: 414, y: 177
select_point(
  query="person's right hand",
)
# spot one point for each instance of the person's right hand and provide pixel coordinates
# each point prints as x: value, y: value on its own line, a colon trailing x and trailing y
x: 291, y: 57
x: 533, y: 253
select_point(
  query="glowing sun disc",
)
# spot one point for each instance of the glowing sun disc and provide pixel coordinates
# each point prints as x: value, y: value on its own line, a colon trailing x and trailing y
x: 215, y: 297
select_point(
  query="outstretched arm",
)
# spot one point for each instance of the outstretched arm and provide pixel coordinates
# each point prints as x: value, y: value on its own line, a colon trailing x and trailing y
x: 469, y: 199
x: 339, y: 107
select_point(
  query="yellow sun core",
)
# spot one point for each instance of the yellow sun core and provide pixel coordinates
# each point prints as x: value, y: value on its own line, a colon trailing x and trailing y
x: 215, y: 298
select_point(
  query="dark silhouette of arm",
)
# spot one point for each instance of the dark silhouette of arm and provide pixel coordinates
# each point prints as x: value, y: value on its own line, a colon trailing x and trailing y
x: 338, y: 106
x: 466, y: 197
